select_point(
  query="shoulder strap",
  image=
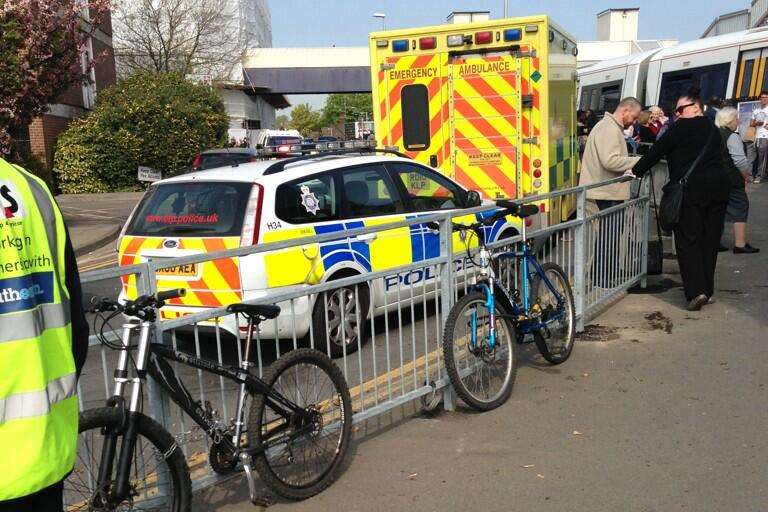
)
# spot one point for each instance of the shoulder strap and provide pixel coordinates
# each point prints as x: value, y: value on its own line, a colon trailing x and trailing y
x: 684, y: 179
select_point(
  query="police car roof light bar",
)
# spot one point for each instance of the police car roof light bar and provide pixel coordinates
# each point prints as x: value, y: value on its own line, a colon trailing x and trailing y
x: 279, y: 165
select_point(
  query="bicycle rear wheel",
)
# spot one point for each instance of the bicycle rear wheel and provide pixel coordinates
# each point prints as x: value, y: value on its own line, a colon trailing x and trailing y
x: 482, y: 376
x: 158, y: 465
x: 555, y: 345
x: 299, y: 467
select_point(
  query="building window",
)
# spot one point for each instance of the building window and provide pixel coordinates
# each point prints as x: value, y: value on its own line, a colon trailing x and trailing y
x: 252, y: 124
x: 89, y: 87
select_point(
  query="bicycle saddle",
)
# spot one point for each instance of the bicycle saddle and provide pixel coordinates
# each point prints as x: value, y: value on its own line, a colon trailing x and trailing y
x: 522, y: 211
x: 255, y: 310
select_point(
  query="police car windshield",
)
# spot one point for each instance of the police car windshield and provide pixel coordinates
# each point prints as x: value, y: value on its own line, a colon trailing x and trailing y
x: 204, y: 209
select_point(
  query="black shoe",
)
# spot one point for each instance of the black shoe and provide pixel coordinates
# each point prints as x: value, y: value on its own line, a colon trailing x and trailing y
x: 747, y: 249
x: 722, y: 248
x: 696, y: 302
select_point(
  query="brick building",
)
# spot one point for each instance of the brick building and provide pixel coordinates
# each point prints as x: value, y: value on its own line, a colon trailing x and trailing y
x: 44, y: 131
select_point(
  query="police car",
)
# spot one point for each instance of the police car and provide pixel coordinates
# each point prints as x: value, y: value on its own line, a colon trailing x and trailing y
x: 275, y: 200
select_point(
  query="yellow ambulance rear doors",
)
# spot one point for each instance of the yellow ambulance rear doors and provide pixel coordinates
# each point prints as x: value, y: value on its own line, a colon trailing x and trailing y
x: 485, y: 108
x: 413, y: 106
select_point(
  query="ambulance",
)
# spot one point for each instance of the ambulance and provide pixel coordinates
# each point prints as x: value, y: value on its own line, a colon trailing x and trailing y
x: 491, y: 105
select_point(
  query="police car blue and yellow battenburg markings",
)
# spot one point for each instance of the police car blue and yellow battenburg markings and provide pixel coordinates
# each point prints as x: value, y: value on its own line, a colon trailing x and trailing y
x: 391, y: 248
x: 38, y: 406
x: 491, y: 104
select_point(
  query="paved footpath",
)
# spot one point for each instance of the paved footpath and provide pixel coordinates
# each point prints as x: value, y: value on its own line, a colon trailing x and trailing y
x: 657, y: 410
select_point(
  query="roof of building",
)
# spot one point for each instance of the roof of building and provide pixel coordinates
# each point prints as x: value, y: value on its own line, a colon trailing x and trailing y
x: 725, y: 16
x: 618, y: 9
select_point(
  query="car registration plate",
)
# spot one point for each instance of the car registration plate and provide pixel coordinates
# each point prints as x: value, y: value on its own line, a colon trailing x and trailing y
x: 189, y: 270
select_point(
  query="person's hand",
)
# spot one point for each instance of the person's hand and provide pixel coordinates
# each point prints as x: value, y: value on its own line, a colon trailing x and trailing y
x: 629, y: 173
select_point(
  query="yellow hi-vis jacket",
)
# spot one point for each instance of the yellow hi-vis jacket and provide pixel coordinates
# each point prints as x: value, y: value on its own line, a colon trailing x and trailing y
x: 38, y: 405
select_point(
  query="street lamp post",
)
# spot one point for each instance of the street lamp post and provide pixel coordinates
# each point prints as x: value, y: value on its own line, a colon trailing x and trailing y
x: 383, y: 18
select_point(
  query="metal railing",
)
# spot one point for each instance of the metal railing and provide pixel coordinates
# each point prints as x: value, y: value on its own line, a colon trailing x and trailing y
x: 389, y: 322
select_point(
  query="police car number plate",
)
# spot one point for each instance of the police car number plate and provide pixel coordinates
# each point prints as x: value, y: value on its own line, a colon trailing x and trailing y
x: 189, y: 270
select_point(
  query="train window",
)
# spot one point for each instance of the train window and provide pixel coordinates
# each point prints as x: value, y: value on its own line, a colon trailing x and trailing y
x: 610, y: 97
x: 601, y: 97
x: 747, y: 78
x: 710, y: 80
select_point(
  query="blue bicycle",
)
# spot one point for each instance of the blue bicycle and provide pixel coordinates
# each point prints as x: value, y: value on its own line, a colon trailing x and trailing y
x: 485, y: 326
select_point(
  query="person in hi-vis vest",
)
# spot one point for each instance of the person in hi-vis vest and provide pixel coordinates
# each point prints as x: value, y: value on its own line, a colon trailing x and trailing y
x: 43, y: 345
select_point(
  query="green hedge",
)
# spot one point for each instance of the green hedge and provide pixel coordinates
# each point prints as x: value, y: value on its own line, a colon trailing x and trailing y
x: 158, y: 120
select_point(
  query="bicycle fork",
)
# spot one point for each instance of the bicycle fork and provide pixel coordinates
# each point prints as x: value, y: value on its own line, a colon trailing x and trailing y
x: 129, y: 427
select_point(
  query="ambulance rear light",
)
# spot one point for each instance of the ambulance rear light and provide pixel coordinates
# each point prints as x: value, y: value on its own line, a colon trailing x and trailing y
x: 536, y: 183
x: 400, y: 45
x: 382, y: 43
x: 531, y: 29
x: 252, y: 221
x: 542, y: 208
x: 513, y: 34
x: 537, y: 173
x: 484, y: 37
x: 427, y: 43
x: 455, y: 40
x: 197, y: 160
x: 537, y: 163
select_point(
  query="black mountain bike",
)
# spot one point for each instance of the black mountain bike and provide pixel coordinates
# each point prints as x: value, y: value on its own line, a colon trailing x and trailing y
x: 295, y: 437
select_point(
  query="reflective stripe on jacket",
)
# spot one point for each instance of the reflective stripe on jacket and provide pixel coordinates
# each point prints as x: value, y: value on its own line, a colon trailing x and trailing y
x: 38, y: 405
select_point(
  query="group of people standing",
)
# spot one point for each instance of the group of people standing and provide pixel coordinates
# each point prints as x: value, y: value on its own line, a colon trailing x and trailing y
x: 719, y: 166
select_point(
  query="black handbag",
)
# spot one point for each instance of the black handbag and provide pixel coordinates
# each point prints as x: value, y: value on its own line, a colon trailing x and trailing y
x: 672, y: 193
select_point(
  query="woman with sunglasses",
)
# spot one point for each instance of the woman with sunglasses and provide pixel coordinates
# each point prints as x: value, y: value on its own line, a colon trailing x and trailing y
x: 697, y: 235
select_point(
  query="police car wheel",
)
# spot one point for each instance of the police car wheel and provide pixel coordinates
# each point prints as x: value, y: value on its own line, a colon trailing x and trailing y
x: 338, y: 319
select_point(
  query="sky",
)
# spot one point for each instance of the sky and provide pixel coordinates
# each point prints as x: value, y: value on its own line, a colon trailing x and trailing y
x: 299, y: 23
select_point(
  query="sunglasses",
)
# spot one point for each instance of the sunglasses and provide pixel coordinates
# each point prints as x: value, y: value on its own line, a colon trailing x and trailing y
x: 682, y: 108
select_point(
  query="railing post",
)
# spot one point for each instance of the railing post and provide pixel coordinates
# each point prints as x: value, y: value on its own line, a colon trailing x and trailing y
x: 158, y: 402
x: 446, y: 298
x: 645, y: 191
x: 580, y: 258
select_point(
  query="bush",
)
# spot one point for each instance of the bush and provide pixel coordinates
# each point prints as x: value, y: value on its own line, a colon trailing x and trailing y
x: 158, y: 120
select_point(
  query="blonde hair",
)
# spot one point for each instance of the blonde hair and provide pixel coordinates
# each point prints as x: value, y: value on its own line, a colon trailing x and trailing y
x: 644, y: 117
x: 725, y: 116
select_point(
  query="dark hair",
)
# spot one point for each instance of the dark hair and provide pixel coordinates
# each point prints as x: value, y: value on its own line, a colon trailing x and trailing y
x: 693, y: 97
x: 763, y: 93
x: 715, y: 102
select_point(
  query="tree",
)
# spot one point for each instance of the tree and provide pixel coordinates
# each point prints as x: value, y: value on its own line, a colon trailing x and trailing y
x: 41, y: 42
x: 353, y: 107
x: 193, y: 38
x: 304, y: 119
x: 158, y: 120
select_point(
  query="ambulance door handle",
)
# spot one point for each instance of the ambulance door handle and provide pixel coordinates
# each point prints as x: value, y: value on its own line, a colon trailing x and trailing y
x: 367, y: 237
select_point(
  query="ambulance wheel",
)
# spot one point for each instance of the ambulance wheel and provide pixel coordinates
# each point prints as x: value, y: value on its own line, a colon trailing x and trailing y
x: 339, y: 319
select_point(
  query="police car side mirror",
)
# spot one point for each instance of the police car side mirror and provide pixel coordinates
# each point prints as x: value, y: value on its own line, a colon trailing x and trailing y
x: 473, y: 199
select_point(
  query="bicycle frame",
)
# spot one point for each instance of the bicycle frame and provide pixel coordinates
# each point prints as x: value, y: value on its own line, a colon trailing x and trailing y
x: 153, y: 358
x: 489, y: 287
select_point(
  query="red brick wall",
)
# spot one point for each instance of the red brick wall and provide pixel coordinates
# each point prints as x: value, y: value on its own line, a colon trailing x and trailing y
x: 43, y: 133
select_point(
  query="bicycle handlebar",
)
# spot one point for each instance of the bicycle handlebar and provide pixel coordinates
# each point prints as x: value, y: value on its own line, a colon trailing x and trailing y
x: 508, y: 208
x: 136, y: 307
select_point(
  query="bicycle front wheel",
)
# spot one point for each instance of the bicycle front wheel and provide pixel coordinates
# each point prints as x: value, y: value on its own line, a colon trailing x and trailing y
x: 482, y: 375
x: 304, y: 457
x: 159, y: 476
x: 557, y: 310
